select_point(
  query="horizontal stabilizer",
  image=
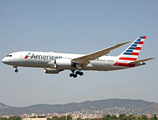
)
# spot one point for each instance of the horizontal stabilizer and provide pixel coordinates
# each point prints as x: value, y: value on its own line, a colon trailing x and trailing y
x: 141, y: 60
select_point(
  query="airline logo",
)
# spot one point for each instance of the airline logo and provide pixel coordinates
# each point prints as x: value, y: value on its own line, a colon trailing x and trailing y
x: 133, y: 51
x: 42, y: 57
x: 45, y: 57
x: 27, y: 55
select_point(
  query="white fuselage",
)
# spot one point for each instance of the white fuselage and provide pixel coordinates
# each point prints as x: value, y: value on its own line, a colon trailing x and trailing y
x: 47, y: 60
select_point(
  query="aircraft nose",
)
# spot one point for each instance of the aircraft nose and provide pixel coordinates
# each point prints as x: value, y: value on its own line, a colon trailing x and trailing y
x: 4, y: 60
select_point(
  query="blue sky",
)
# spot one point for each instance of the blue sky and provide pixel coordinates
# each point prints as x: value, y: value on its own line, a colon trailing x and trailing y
x: 77, y: 26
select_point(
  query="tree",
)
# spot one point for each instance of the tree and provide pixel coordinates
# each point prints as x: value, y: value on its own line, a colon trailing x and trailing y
x: 41, y: 116
x: 69, y: 117
x: 55, y: 118
x: 131, y: 117
x: 122, y: 117
x: 14, y: 118
x: 155, y: 117
x: 113, y: 117
x: 33, y: 117
x: 3, y: 118
x: 62, y: 118
x: 79, y: 118
x: 107, y: 117
x: 137, y: 117
x: 87, y: 119
x: 95, y: 119
x: 144, y: 117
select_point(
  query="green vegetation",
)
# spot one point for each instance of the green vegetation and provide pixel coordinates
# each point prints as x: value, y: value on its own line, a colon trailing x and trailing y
x: 124, y: 117
x: 60, y: 118
x: 110, y: 117
x: 107, y: 117
x: 11, y: 118
x: 38, y: 117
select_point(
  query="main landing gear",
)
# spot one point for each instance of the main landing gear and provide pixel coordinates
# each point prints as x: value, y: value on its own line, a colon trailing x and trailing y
x: 74, y: 74
x: 16, y: 68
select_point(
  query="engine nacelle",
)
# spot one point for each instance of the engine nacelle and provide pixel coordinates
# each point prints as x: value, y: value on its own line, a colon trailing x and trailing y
x: 51, y: 71
x: 63, y: 63
x: 52, y: 64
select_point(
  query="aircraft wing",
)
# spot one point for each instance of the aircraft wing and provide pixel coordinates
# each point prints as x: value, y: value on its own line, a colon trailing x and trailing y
x: 141, y: 60
x: 83, y: 61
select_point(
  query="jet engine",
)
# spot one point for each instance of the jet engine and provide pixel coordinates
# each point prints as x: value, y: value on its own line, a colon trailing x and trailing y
x: 63, y: 63
x: 51, y: 71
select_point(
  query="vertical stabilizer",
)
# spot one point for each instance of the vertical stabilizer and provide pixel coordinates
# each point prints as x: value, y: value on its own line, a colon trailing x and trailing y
x: 132, y: 52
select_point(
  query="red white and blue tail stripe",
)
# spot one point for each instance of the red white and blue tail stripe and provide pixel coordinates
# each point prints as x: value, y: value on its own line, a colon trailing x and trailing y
x: 132, y: 52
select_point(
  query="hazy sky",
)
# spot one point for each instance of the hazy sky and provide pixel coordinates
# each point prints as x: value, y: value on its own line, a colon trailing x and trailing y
x: 77, y: 26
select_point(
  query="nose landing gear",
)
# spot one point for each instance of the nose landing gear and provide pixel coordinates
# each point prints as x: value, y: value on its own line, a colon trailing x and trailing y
x: 74, y: 74
x: 16, y: 68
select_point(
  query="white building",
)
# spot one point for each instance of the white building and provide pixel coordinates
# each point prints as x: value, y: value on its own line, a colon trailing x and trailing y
x: 35, y: 119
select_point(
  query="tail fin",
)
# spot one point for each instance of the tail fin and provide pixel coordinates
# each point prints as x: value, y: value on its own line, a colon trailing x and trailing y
x: 132, y: 52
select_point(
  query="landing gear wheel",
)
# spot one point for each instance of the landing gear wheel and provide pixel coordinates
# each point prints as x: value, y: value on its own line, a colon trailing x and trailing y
x: 16, y: 70
x: 75, y: 75
x: 78, y: 72
x: 71, y: 75
x: 81, y: 73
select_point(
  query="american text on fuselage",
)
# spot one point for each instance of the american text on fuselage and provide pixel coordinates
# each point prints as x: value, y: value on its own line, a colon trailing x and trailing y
x: 45, y: 57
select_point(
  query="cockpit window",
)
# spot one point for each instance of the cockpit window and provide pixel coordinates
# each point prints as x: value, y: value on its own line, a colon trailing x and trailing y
x: 9, y: 55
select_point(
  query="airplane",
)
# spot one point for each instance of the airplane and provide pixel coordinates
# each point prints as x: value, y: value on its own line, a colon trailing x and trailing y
x: 53, y: 63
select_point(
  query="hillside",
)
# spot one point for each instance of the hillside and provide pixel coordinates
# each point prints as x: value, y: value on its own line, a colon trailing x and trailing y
x: 3, y: 106
x: 136, y: 105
